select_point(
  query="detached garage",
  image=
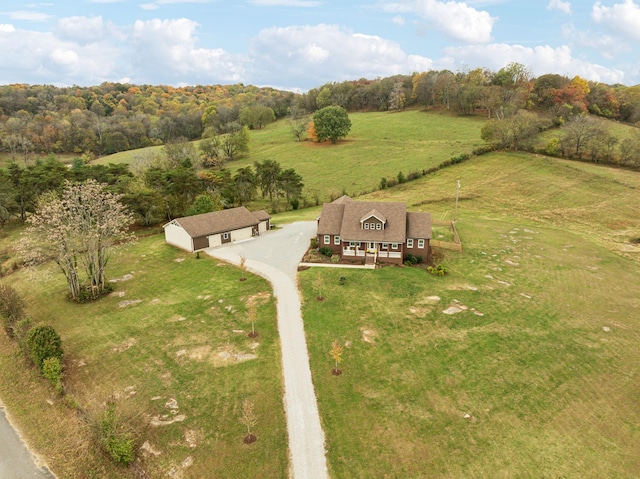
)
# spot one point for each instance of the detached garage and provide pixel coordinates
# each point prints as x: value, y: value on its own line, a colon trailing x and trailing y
x: 194, y: 233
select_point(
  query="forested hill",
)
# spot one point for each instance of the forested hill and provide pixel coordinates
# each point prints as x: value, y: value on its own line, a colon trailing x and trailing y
x: 113, y: 117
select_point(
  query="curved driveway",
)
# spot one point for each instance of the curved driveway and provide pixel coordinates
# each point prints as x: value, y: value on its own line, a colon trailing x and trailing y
x: 275, y: 256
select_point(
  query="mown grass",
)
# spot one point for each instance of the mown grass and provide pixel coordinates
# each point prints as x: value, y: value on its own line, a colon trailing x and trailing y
x: 168, y: 346
x: 379, y: 145
x: 548, y: 392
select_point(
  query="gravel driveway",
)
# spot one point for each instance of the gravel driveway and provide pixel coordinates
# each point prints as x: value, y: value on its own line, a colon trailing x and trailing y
x: 275, y: 256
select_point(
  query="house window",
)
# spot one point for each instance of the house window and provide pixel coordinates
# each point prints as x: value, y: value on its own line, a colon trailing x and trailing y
x: 327, y: 239
x: 336, y: 239
x: 352, y: 244
x: 420, y: 243
x: 379, y: 226
x: 225, y: 235
x: 385, y: 245
x: 410, y: 243
x: 394, y: 245
x: 366, y: 226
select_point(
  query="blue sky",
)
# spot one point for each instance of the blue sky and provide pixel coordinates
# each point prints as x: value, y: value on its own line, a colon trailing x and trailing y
x: 301, y: 44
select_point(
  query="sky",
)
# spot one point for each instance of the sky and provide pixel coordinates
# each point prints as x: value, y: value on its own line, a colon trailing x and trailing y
x: 302, y: 44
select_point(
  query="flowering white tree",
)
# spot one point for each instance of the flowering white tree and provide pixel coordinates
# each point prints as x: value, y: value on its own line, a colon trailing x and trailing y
x: 77, y: 230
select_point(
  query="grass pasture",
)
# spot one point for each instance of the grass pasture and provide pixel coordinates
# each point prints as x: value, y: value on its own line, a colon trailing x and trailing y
x: 379, y: 145
x: 548, y: 392
x: 182, y: 342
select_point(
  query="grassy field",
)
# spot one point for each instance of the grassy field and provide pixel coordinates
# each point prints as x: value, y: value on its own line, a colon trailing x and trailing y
x: 548, y: 392
x: 379, y: 145
x: 182, y: 341
x: 549, y: 260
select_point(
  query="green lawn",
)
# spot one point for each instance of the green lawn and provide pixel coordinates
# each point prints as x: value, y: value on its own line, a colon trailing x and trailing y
x: 379, y: 145
x: 548, y: 261
x: 548, y: 392
x: 180, y: 342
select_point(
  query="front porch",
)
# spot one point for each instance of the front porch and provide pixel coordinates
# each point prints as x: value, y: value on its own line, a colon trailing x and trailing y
x: 373, y: 252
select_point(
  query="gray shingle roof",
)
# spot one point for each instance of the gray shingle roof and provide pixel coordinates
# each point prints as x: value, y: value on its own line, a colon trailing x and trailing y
x: 344, y: 217
x: 218, y: 221
x: 418, y: 225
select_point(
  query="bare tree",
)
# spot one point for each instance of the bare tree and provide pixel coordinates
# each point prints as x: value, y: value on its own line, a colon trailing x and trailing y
x: 77, y: 230
x: 248, y: 419
x: 336, y: 354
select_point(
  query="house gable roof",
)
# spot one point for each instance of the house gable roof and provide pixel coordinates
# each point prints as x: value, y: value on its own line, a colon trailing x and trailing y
x: 344, y: 217
x: 218, y: 222
x: 261, y: 215
x: 374, y: 213
x: 419, y: 225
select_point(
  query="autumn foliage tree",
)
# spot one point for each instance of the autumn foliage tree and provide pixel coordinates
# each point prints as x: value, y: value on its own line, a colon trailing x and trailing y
x: 77, y: 230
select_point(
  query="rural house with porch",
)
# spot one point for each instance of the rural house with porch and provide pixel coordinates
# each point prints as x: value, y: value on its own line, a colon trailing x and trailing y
x: 198, y: 232
x: 383, y: 232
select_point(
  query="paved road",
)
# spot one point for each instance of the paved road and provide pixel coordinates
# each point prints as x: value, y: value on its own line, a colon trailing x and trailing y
x: 16, y: 462
x: 275, y: 256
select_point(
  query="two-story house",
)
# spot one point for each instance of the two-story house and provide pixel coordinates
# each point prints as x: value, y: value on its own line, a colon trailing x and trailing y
x: 374, y: 231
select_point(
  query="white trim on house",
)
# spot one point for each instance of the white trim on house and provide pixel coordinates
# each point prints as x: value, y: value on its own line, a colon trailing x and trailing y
x: 327, y: 239
x: 421, y: 243
x: 409, y: 242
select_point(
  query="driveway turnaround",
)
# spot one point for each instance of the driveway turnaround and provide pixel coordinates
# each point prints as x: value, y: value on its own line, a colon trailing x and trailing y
x: 16, y: 462
x: 275, y: 256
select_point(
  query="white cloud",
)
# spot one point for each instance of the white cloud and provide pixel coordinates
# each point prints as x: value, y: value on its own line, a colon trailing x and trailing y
x: 86, y: 29
x: 285, y: 3
x: 64, y: 57
x: 541, y: 60
x: 310, y: 55
x: 167, y: 49
x: 28, y: 15
x: 7, y: 28
x: 398, y: 20
x: 564, y: 7
x: 456, y: 20
x: 37, y: 57
x: 621, y: 19
x: 608, y: 46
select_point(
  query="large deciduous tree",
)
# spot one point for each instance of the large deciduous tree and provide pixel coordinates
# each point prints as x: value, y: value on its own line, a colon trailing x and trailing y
x: 77, y: 230
x: 331, y: 123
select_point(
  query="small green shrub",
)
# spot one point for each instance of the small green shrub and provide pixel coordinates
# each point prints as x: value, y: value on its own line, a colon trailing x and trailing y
x: 52, y: 370
x: 439, y: 270
x: 12, y: 308
x: 44, y: 342
x: 335, y: 258
x: 326, y: 251
x: 117, y: 442
x: 342, y: 280
x: 383, y: 183
x: 314, y: 242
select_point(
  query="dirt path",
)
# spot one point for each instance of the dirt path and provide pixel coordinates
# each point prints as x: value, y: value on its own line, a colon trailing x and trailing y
x: 275, y: 256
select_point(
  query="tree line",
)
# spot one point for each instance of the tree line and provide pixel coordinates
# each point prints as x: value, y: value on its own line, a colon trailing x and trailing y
x: 113, y: 117
x: 166, y: 187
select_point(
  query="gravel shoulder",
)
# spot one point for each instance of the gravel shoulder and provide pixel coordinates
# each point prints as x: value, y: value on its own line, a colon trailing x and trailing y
x: 275, y: 256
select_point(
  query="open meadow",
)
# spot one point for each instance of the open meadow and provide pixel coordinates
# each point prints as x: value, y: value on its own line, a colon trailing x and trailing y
x: 379, y: 145
x: 170, y: 348
x: 521, y: 362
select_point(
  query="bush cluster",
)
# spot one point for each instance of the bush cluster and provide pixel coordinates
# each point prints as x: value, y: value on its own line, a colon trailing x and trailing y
x: 326, y: 251
x: 115, y: 441
x: 438, y: 270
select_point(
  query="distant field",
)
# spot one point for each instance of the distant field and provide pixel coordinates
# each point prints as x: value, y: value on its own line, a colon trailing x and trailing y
x: 379, y: 145
x: 546, y: 265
